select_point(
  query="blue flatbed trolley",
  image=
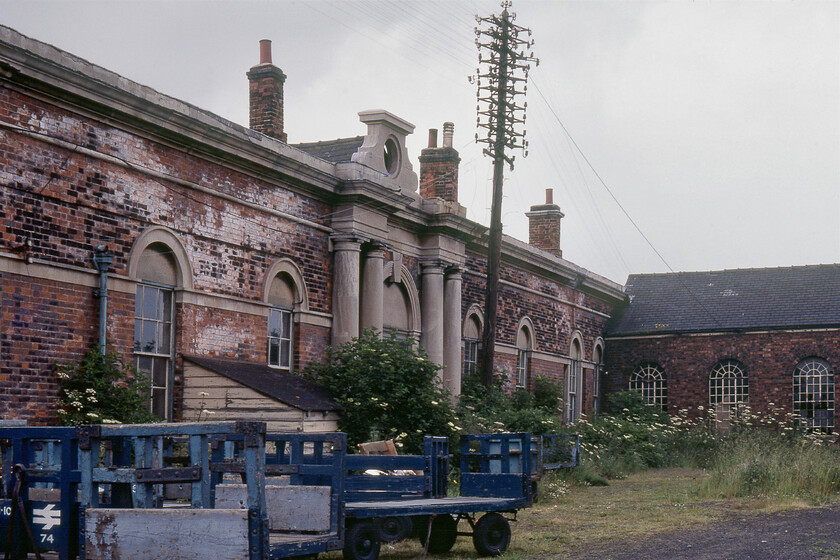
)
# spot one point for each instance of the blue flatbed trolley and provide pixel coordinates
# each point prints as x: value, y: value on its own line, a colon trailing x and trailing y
x: 229, y: 490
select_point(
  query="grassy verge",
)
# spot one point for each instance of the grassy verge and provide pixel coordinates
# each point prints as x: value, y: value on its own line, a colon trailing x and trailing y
x: 569, y: 521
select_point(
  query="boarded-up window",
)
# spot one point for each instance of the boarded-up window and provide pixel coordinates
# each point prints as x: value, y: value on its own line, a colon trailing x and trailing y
x: 397, y: 317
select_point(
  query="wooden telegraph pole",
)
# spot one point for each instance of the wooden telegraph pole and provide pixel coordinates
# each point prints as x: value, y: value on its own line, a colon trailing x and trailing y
x: 506, y: 66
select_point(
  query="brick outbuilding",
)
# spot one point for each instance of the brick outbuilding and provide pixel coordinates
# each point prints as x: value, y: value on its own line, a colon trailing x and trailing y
x: 768, y: 338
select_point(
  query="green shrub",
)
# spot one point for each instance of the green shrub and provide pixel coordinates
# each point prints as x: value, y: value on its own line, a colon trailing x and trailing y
x: 102, y: 389
x: 492, y: 409
x: 387, y: 389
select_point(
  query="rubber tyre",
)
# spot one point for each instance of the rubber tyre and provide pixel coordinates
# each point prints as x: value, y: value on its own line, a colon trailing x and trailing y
x: 393, y: 529
x: 491, y: 535
x: 361, y: 541
x: 443, y: 535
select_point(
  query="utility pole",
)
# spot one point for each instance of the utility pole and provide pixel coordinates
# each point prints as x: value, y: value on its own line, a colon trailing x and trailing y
x: 506, y: 67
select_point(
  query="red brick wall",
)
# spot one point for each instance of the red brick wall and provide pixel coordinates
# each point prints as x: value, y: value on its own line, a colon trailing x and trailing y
x: 769, y: 359
x: 42, y: 322
x: 554, y: 321
x: 65, y: 203
x: 265, y: 90
x: 544, y: 228
x: 439, y: 173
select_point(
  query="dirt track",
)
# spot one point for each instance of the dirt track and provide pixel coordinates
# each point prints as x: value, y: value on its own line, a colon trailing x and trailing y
x: 802, y: 534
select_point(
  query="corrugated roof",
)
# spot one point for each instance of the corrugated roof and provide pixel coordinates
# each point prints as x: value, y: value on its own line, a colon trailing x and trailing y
x: 285, y: 387
x: 335, y: 151
x: 727, y: 300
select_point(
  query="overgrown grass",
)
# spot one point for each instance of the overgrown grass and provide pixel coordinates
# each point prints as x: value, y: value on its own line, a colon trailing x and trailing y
x: 761, y: 463
x: 757, y: 456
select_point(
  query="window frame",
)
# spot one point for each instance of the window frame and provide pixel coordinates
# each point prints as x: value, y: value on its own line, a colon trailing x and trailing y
x: 729, y: 385
x: 469, y: 367
x: 523, y: 367
x: 289, y: 315
x: 649, y: 379
x: 825, y: 388
x: 573, y: 382
x: 158, y: 356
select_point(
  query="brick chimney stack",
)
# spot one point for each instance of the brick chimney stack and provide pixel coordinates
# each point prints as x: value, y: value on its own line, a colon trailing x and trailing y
x: 439, y: 167
x: 266, y: 95
x: 544, y: 225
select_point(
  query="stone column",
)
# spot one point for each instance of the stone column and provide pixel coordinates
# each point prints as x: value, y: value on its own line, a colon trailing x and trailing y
x: 345, y: 325
x: 372, y: 286
x: 452, y: 331
x: 431, y: 310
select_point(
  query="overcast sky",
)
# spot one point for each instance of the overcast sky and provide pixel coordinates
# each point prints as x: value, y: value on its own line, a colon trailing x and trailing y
x: 715, y: 125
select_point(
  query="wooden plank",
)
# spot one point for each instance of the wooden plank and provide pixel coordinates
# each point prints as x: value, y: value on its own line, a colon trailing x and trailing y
x: 290, y: 507
x: 171, y: 534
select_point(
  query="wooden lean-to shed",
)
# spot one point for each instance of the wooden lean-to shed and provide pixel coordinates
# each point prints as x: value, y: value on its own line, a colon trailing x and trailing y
x: 238, y: 390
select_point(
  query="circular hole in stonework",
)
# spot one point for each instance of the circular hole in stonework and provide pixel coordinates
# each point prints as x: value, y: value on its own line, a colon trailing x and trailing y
x: 392, y: 157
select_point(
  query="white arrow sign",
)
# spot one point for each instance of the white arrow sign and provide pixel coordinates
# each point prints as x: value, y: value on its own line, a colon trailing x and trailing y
x: 48, y: 517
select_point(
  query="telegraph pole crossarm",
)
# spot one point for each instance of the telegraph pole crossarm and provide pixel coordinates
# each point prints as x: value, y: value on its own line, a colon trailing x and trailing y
x: 503, y: 51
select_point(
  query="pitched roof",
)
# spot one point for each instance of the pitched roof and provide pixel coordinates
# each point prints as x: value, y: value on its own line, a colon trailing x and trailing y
x: 277, y: 384
x: 730, y: 300
x: 335, y: 151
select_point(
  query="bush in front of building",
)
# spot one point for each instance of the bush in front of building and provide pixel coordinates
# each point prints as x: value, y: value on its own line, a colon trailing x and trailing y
x: 388, y: 390
x: 493, y: 409
x: 101, y: 389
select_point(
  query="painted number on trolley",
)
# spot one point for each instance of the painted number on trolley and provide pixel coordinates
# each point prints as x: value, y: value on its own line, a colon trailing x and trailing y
x: 47, y: 538
x: 6, y: 511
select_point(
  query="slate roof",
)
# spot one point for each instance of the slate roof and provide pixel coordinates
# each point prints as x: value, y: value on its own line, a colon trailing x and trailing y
x: 730, y: 300
x: 335, y: 151
x: 280, y: 385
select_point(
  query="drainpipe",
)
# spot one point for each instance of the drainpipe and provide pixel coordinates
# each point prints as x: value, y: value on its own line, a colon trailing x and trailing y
x: 102, y: 261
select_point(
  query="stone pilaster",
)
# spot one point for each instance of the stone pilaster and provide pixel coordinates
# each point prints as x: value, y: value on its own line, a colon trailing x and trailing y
x: 346, y: 251
x: 372, y: 286
x: 431, y: 310
x: 452, y: 331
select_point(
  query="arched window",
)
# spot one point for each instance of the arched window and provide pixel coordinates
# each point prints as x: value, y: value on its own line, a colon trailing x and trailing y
x: 574, y: 378
x: 813, y: 394
x: 285, y: 294
x: 649, y: 379
x: 728, y: 387
x: 154, y: 313
x: 281, y: 322
x: 473, y: 327
x: 524, y: 345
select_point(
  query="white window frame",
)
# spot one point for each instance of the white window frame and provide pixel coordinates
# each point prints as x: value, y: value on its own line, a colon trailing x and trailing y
x: 813, y: 392
x: 278, y: 338
x: 729, y: 386
x: 649, y: 379
x: 523, y: 367
x: 150, y: 361
x: 573, y: 381
x: 470, y: 366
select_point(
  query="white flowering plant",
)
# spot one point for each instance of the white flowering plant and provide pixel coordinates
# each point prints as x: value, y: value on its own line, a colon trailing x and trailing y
x: 101, y: 389
x: 388, y: 390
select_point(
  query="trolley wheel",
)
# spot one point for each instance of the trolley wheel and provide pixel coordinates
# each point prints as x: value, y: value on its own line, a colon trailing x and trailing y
x: 491, y: 535
x: 361, y: 541
x: 393, y: 529
x: 443, y: 534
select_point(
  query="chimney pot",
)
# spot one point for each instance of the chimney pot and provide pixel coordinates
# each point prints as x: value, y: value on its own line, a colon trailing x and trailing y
x: 549, y: 196
x: 448, y: 130
x: 439, y: 167
x: 433, y: 137
x: 265, y: 51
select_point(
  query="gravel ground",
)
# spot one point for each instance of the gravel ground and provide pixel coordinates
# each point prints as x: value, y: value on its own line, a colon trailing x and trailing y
x: 790, y: 535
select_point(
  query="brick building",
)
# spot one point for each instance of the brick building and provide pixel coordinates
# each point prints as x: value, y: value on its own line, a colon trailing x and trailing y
x: 232, y: 258
x: 769, y: 338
